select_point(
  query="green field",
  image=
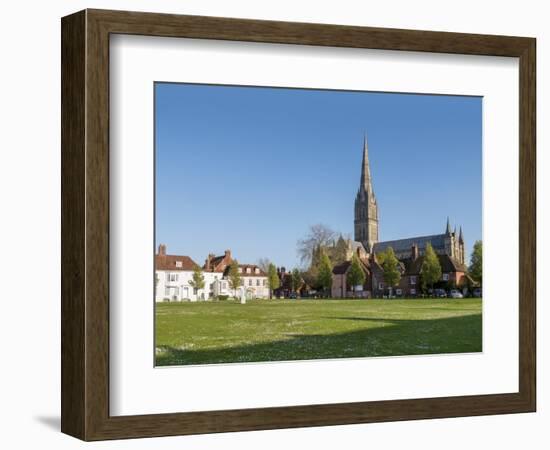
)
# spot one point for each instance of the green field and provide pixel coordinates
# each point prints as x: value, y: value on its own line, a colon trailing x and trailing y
x: 282, y: 330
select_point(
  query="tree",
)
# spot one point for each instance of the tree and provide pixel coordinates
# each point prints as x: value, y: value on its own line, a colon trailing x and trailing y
x: 318, y: 236
x: 431, y: 268
x: 339, y: 252
x: 392, y: 275
x: 296, y: 281
x: 272, y: 279
x: 476, y: 263
x: 263, y: 264
x: 234, y: 276
x: 198, y: 280
x: 355, y: 275
x: 324, y: 278
x: 380, y: 257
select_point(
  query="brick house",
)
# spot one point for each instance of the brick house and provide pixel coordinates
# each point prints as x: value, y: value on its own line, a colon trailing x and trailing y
x: 340, y: 288
x: 453, y: 274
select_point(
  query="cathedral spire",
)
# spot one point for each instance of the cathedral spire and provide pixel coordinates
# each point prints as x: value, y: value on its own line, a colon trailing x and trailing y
x: 448, y: 228
x: 366, y: 209
x: 461, y: 236
x: 366, y: 182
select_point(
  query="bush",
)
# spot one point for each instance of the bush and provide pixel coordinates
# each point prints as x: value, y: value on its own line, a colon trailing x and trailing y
x: 223, y: 297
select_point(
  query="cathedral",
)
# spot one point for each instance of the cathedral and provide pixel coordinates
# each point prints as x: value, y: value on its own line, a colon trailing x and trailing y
x: 366, y: 226
x: 449, y: 247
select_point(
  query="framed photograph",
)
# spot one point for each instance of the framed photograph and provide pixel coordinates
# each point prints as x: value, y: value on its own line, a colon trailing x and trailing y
x: 273, y: 225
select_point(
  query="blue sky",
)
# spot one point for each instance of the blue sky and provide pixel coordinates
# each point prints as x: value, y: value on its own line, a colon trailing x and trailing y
x: 251, y: 168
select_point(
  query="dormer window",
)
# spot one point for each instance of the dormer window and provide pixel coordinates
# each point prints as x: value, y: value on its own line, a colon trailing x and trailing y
x: 257, y: 270
x: 248, y: 270
x: 179, y: 264
x: 240, y: 269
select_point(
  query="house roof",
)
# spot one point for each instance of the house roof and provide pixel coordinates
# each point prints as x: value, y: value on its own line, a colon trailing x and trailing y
x: 342, y: 268
x: 218, y: 263
x: 399, y: 245
x: 448, y: 264
x: 252, y: 273
x: 170, y: 262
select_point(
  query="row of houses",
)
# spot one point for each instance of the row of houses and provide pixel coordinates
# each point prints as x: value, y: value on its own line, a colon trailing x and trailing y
x: 453, y: 273
x: 174, y: 273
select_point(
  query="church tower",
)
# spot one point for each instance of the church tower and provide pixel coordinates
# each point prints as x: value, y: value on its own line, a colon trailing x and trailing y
x: 366, y: 208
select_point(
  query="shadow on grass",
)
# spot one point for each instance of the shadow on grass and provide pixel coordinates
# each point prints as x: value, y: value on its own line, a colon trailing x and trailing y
x: 392, y: 337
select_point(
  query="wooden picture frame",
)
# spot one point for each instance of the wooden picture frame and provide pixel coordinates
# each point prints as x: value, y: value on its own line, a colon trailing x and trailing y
x: 85, y: 224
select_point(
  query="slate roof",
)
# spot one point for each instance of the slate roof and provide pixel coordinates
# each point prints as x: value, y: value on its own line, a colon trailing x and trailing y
x: 447, y: 263
x: 400, y: 245
x: 342, y: 268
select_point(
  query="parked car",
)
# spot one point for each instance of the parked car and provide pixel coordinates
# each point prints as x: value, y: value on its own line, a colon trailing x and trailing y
x: 440, y: 293
x: 455, y: 293
x: 477, y: 292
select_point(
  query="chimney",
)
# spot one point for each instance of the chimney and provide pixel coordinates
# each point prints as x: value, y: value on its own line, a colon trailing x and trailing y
x: 414, y: 252
x: 228, y: 254
x: 162, y: 249
x: 207, y: 262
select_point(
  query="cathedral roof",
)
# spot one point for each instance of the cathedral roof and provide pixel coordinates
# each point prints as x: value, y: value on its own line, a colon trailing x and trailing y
x: 399, y: 245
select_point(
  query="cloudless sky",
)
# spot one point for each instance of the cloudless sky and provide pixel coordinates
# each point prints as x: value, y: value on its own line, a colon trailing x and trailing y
x: 251, y: 168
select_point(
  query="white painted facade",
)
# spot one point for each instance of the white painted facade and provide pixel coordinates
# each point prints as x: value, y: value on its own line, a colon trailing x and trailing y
x: 174, y: 286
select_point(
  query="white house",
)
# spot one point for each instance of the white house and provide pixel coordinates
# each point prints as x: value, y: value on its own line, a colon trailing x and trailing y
x: 173, y: 274
x: 254, y: 281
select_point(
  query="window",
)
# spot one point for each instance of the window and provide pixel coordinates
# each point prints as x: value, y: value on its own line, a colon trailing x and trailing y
x: 413, y: 291
x: 256, y: 270
x: 445, y: 277
x: 380, y: 285
x: 240, y: 269
x: 167, y: 291
x: 257, y: 282
x: 172, y: 277
x: 248, y: 270
x: 398, y: 291
x: 178, y: 264
x: 250, y: 282
x: 265, y: 282
x: 413, y: 281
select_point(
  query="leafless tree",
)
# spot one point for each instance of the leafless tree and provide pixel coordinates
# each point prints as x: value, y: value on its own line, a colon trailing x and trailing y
x: 263, y: 264
x: 318, y: 235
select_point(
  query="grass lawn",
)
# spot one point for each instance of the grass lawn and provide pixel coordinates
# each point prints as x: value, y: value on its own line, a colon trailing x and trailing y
x: 282, y: 330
